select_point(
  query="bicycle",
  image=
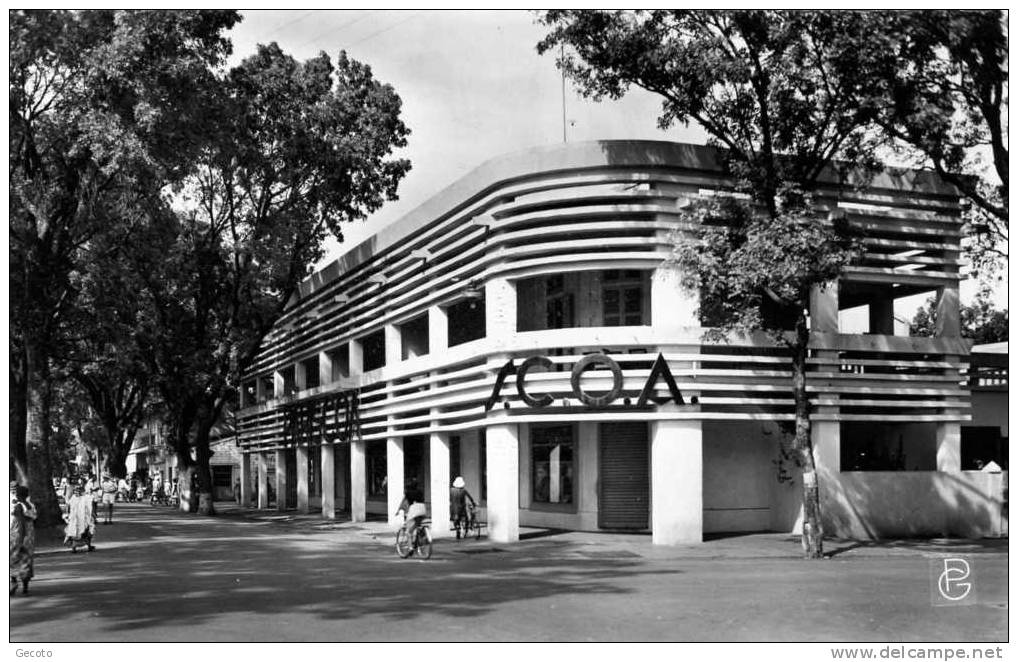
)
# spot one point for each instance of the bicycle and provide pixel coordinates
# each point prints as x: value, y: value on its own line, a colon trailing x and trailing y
x: 421, y: 543
x: 468, y: 524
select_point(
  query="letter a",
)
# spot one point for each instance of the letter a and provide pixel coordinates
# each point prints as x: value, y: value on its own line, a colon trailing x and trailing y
x: 659, y: 369
x: 508, y: 369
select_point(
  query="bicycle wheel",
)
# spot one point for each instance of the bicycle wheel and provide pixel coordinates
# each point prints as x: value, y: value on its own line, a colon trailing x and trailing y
x: 424, y: 543
x: 403, y: 547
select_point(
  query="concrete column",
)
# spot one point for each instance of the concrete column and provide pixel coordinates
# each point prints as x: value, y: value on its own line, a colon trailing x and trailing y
x: 826, y: 437
x: 882, y: 315
x: 440, y: 483
x: 263, y: 481
x: 280, y: 480
x: 260, y: 395
x: 948, y: 322
x: 949, y: 446
x: 300, y: 377
x: 393, y: 344
x: 328, y: 473
x: 676, y: 482
x: 358, y: 482
x: 823, y: 308
x: 324, y: 368
x: 394, y: 477
x: 503, y: 483
x: 277, y: 384
x: 302, y: 479
x: 499, y: 308
x: 245, y: 480
x: 672, y: 307
x: 585, y: 473
x: 356, y: 358
x: 438, y: 329
x: 343, y: 455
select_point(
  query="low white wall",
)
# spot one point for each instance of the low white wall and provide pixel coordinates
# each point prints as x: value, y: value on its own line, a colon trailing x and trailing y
x: 738, y: 470
x: 878, y: 504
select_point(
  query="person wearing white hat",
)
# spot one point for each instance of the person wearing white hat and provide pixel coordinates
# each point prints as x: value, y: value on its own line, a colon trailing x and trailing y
x: 458, y: 513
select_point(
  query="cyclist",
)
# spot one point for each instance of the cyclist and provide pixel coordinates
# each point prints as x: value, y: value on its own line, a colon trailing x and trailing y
x: 414, y: 510
x: 458, y: 497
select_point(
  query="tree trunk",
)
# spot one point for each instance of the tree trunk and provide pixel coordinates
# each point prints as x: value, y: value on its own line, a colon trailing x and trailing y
x: 203, y: 475
x: 812, y: 528
x: 18, y: 411
x: 40, y: 463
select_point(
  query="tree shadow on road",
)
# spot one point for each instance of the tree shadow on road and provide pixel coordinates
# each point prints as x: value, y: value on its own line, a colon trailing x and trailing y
x: 182, y: 571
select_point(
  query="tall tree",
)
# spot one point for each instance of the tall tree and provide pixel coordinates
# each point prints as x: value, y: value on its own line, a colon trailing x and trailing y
x: 101, y: 113
x: 297, y: 149
x: 789, y: 98
x: 948, y: 102
x: 980, y: 320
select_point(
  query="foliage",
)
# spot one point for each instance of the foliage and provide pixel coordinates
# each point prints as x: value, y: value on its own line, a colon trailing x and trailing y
x: 790, y: 98
x: 101, y: 116
x: 293, y: 151
x: 755, y: 272
x: 980, y: 320
x: 948, y: 105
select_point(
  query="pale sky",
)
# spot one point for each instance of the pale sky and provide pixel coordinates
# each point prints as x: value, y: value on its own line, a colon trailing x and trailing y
x: 473, y: 87
x: 472, y: 84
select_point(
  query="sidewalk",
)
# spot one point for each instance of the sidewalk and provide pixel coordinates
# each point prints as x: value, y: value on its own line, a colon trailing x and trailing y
x: 608, y: 544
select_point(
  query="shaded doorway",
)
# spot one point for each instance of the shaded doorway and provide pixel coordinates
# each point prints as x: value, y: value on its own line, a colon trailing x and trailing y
x: 624, y: 472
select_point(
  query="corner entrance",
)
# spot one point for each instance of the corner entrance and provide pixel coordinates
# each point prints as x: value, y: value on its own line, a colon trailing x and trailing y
x: 624, y: 471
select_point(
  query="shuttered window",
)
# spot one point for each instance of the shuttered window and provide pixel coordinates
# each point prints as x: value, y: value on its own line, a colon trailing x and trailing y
x: 624, y: 459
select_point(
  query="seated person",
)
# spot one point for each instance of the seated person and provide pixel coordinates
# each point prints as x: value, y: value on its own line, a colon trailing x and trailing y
x: 413, y: 508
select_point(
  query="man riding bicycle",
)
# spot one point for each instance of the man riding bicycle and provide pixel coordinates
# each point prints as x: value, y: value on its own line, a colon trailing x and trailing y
x: 414, y: 510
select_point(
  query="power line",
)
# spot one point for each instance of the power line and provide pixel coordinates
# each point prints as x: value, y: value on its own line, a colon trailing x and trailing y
x: 394, y: 25
x: 338, y: 28
x: 284, y: 25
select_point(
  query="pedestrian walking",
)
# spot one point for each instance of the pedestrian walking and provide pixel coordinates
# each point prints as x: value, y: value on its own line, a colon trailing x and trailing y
x: 236, y: 491
x: 22, y: 540
x: 109, y: 496
x: 459, y: 515
x: 80, y: 529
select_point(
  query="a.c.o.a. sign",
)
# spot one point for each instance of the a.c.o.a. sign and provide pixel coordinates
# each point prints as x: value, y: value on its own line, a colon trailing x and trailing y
x: 658, y: 371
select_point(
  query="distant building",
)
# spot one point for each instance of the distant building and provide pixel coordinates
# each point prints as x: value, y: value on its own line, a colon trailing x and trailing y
x: 524, y: 330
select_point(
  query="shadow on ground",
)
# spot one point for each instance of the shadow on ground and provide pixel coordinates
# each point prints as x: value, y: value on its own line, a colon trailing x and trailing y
x: 214, y: 567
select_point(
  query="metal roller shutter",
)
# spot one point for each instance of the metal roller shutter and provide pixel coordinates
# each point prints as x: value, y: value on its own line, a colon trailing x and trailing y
x: 624, y: 500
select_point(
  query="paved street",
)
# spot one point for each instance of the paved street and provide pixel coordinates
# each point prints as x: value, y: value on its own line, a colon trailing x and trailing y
x: 161, y: 576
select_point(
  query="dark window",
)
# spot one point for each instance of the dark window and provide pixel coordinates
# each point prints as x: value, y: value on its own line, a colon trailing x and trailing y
x: 980, y: 445
x: 868, y: 446
x: 558, y: 304
x: 268, y: 388
x: 454, y: 456
x: 249, y: 394
x: 222, y: 475
x: 289, y: 380
x: 466, y: 321
x: 414, y: 337
x: 311, y: 375
x: 551, y: 454
x: 374, y: 350
x: 340, y: 358
x: 377, y: 473
x: 622, y: 297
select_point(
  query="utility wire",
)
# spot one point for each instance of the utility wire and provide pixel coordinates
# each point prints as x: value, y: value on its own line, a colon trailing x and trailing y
x: 338, y: 28
x: 375, y: 34
x: 284, y: 25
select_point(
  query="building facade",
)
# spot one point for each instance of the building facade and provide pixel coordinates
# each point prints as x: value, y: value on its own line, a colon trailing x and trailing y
x: 524, y: 329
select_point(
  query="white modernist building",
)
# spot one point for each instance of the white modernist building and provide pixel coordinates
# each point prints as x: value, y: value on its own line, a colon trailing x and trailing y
x: 523, y: 329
